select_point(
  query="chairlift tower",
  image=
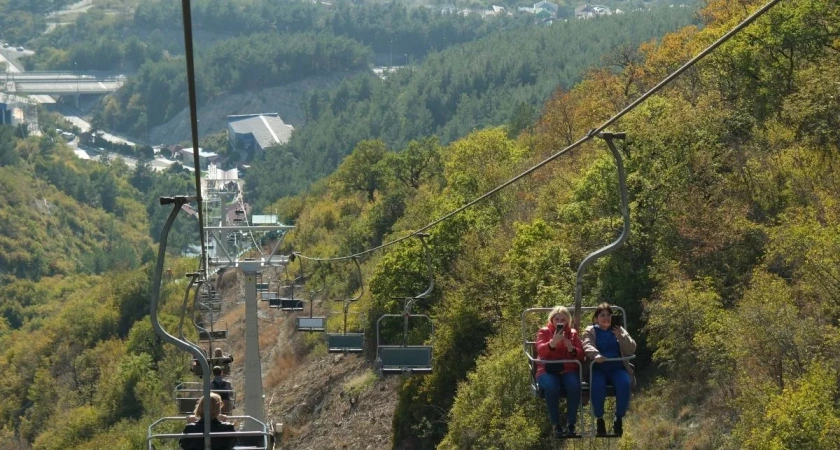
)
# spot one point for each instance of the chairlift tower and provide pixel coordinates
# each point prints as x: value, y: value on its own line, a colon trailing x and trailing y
x: 227, y: 256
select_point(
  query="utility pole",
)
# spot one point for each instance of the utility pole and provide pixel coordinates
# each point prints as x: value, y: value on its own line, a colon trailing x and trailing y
x: 76, y: 70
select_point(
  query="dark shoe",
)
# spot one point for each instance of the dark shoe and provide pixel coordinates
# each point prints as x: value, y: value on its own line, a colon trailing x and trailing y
x: 618, y: 427
x: 600, y: 427
x: 557, y: 431
x: 571, y: 432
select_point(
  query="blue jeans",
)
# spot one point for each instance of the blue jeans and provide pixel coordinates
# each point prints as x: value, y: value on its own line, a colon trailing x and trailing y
x: 620, y: 379
x: 552, y: 383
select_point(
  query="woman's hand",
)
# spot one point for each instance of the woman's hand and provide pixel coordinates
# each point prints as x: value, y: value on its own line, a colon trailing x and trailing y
x: 556, y: 339
x: 617, y: 332
x: 568, y: 343
x: 599, y: 358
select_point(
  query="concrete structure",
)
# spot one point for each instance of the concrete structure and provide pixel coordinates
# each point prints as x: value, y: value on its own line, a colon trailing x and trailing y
x: 257, y: 131
x: 204, y: 158
x: 11, y: 112
x: 16, y: 111
x: 216, y: 174
x: 268, y: 219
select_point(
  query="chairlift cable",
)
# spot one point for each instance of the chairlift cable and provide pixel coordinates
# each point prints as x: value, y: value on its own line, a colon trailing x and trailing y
x: 190, y: 59
x: 589, y: 135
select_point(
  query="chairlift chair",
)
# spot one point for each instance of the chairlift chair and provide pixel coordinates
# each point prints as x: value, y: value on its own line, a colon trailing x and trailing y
x: 259, y: 439
x: 187, y: 394
x: 286, y: 304
x: 289, y: 304
x: 345, y: 342
x: 213, y: 306
x: 394, y: 359
x: 214, y: 333
x: 578, y: 308
x: 312, y: 323
x: 529, y: 346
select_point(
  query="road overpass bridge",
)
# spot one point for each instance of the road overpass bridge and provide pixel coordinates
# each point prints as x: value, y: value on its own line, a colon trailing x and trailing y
x: 62, y: 83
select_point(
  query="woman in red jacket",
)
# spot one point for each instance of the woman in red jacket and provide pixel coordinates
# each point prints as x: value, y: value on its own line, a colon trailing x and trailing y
x: 558, y: 340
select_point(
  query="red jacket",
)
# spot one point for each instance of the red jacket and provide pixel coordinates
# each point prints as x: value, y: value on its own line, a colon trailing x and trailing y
x: 560, y: 352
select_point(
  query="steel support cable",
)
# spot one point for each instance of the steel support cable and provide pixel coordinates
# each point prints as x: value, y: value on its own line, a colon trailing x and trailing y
x: 591, y: 134
x: 190, y: 57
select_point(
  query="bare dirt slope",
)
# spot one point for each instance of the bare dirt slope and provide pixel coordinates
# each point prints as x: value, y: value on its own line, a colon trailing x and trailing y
x: 324, y: 401
x: 212, y: 114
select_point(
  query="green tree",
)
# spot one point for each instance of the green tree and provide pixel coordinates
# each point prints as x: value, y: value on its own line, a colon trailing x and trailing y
x: 361, y: 171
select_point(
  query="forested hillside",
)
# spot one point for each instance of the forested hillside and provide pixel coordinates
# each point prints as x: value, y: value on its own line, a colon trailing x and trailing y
x: 75, y: 248
x: 502, y: 78
x: 497, y: 69
x: 728, y: 276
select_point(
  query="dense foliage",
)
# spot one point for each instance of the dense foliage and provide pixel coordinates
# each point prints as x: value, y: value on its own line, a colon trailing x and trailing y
x: 390, y: 27
x: 501, y: 78
x: 728, y: 274
x: 21, y: 20
x: 79, y: 352
x: 159, y: 90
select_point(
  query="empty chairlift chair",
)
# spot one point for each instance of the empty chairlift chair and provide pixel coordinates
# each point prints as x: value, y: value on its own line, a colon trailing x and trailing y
x: 291, y: 303
x: 345, y: 342
x: 392, y: 359
x: 312, y: 323
x: 216, y: 332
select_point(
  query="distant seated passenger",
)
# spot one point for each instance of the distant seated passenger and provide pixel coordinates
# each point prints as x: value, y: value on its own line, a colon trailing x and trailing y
x: 222, y: 387
x: 216, y: 443
x: 222, y: 360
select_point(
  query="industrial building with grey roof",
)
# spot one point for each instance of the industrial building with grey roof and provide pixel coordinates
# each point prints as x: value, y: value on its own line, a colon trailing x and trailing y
x: 257, y: 131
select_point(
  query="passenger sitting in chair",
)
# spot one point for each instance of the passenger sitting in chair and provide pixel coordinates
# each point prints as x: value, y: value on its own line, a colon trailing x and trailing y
x: 222, y: 360
x: 222, y: 387
x: 558, y: 340
x: 217, y: 443
x: 603, y: 340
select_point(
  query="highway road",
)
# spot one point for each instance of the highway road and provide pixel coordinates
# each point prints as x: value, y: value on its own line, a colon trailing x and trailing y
x: 72, y: 116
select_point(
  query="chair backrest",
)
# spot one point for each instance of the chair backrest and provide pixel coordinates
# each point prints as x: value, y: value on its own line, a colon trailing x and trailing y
x: 408, y: 357
x: 311, y: 323
x: 186, y: 405
x: 251, y: 440
x: 290, y: 304
x: 345, y: 343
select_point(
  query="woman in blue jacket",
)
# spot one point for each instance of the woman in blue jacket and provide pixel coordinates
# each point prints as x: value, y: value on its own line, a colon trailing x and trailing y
x: 601, y: 341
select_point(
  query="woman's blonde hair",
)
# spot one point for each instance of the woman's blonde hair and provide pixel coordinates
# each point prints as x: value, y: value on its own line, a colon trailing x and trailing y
x: 215, y: 406
x: 560, y: 310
